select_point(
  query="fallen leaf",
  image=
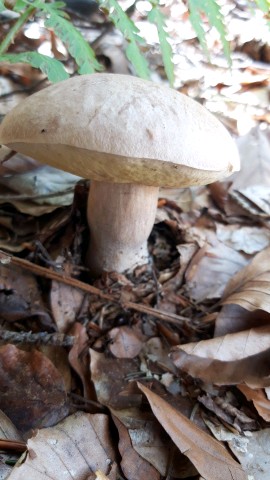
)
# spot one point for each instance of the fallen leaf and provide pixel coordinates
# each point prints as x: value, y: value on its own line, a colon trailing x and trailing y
x: 210, y: 270
x: 210, y: 458
x: 232, y: 319
x: 236, y: 358
x: 249, y: 240
x: 254, y: 151
x: 73, y: 449
x: 19, y: 295
x: 151, y: 442
x: 253, y: 453
x: 125, y: 342
x: 32, y: 390
x: 250, y: 288
x: 133, y: 465
x: 258, y: 397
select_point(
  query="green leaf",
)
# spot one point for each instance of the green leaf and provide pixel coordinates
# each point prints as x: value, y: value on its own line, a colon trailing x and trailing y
x: 264, y: 5
x: 77, y: 46
x: 130, y: 32
x: 156, y: 16
x: 51, y: 67
x: 213, y: 12
x: 20, y: 5
x: 2, y: 6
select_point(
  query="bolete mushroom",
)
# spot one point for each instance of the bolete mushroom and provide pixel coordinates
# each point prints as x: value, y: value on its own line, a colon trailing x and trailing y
x: 129, y: 136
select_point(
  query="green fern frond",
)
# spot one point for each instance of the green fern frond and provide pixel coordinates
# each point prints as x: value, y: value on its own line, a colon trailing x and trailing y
x: 156, y: 17
x: 213, y: 12
x: 78, y: 48
x: 49, y: 66
x: 2, y: 6
x: 131, y: 34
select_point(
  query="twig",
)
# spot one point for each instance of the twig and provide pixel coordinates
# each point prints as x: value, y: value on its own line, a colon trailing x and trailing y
x: 41, y: 338
x: 73, y: 282
x: 12, y: 445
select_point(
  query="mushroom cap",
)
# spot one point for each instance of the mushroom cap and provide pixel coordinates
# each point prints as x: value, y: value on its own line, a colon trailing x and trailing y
x: 121, y: 129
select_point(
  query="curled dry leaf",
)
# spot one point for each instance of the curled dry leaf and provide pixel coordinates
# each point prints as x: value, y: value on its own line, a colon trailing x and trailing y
x: 233, y: 318
x: 250, y: 288
x: 73, y: 449
x: 133, y: 465
x: 236, y: 358
x: 32, y: 391
x: 259, y: 399
x: 141, y: 434
x: 210, y: 458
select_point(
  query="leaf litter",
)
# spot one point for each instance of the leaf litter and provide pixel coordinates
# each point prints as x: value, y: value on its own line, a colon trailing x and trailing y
x: 205, y: 297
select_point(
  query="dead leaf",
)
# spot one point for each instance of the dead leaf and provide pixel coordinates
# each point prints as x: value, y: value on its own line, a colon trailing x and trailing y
x: 259, y: 399
x: 79, y: 359
x: 233, y: 318
x: 254, y: 150
x: 250, y: 288
x: 32, y: 390
x: 253, y: 453
x: 236, y: 358
x: 134, y: 467
x: 249, y: 240
x: 210, y: 270
x: 111, y: 378
x: 19, y: 295
x: 125, y: 342
x: 210, y: 458
x: 76, y: 447
x: 146, y: 438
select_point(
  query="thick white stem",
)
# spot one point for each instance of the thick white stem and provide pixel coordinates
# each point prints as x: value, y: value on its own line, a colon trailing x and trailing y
x: 120, y: 218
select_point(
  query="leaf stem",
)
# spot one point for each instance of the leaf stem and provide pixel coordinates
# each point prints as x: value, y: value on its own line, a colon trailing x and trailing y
x: 13, y: 32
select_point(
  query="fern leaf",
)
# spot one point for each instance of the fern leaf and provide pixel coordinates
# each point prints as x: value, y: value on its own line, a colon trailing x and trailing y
x: 131, y: 34
x: 78, y: 48
x: 213, y: 12
x: 50, y: 66
x: 2, y: 6
x: 156, y: 16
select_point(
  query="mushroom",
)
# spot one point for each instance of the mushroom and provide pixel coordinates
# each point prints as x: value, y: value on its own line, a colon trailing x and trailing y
x: 129, y: 136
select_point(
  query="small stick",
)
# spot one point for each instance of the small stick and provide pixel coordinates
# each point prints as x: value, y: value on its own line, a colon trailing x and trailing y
x: 41, y: 338
x: 6, y: 259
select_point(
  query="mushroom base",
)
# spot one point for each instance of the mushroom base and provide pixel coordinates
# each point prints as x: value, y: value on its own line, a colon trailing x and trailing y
x: 120, y: 218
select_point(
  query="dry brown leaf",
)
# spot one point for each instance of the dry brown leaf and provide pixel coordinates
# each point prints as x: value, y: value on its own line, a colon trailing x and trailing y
x: 253, y: 453
x: 250, y: 288
x: 236, y: 358
x: 133, y: 465
x: 32, y: 390
x: 79, y: 359
x: 111, y: 378
x: 152, y: 443
x: 259, y: 399
x: 66, y: 302
x: 233, y: 318
x: 19, y: 295
x: 210, y: 458
x: 126, y: 342
x: 8, y: 432
x: 249, y: 240
x: 210, y: 270
x: 254, y: 150
x: 73, y: 449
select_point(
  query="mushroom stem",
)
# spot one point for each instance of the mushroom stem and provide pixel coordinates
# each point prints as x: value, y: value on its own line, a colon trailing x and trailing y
x: 120, y: 218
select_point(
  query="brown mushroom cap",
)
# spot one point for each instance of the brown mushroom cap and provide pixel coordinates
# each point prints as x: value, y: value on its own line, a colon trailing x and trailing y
x: 121, y: 129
